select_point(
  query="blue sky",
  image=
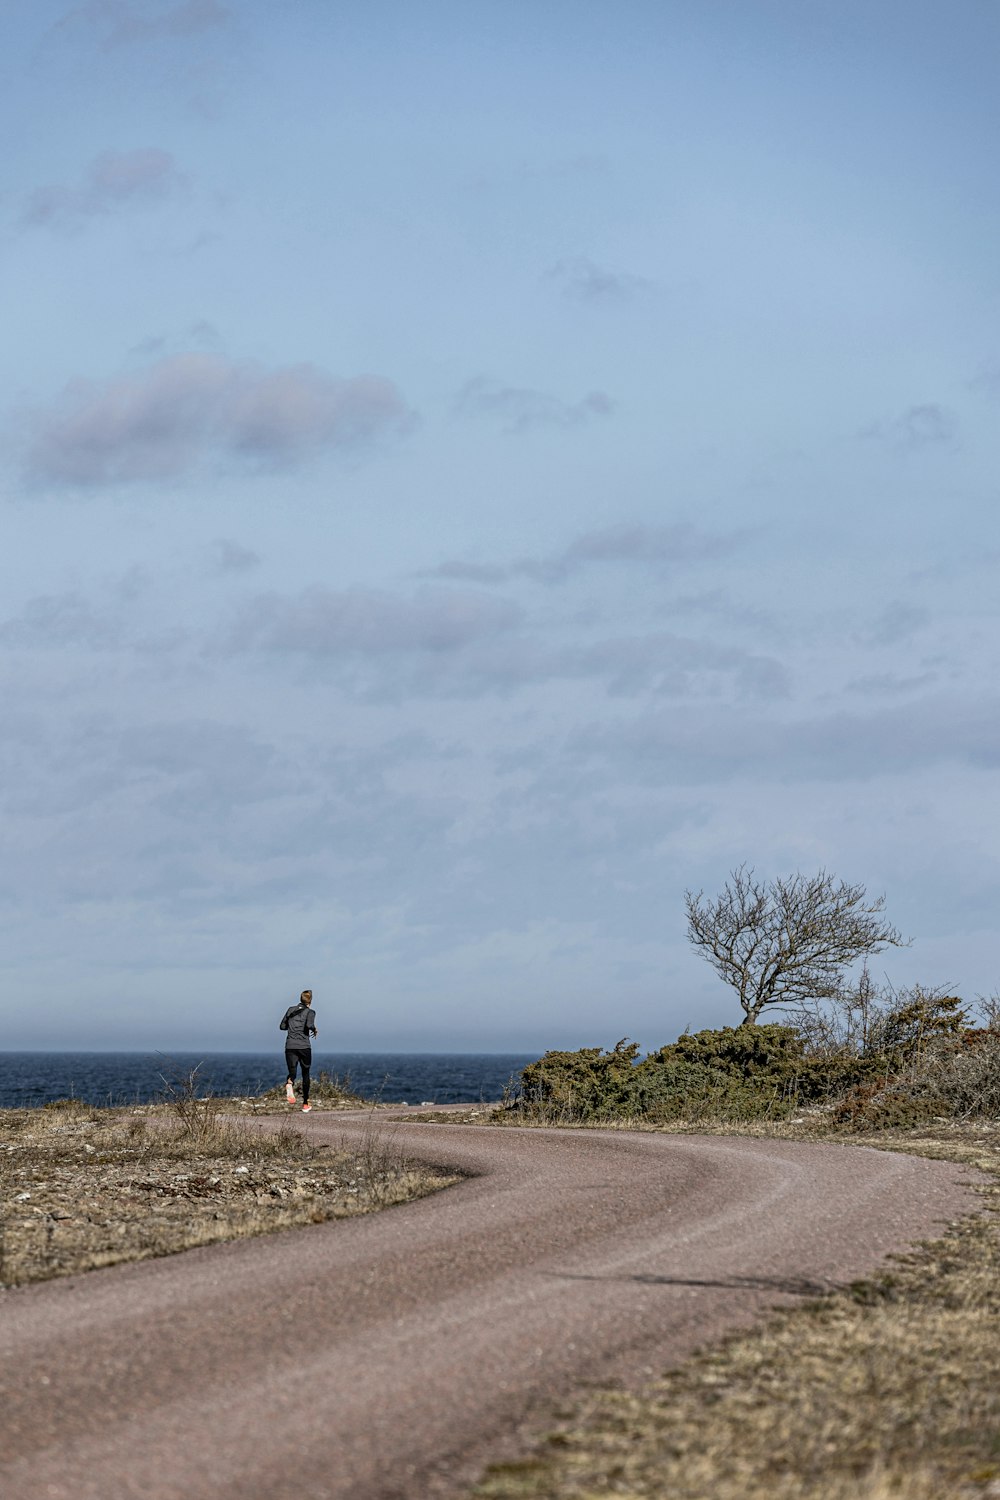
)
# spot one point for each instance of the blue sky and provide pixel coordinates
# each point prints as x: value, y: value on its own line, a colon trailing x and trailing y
x: 472, y: 471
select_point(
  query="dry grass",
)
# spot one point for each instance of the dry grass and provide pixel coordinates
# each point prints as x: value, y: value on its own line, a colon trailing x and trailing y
x: 886, y: 1390
x: 327, y: 1091
x: 82, y: 1187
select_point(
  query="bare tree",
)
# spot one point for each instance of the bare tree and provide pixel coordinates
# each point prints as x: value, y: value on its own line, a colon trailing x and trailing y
x: 785, y: 942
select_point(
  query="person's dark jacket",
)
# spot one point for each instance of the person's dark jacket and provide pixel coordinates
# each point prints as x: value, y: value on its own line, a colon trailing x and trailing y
x: 300, y: 1023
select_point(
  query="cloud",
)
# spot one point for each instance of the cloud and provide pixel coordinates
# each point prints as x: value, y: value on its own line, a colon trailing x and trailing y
x: 367, y: 622
x: 889, y: 685
x: 466, y: 644
x: 59, y: 620
x: 468, y: 572
x: 702, y: 748
x: 921, y: 426
x: 115, y: 179
x: 231, y: 557
x: 164, y: 421
x: 987, y: 379
x: 897, y: 622
x: 116, y: 620
x: 636, y: 543
x: 126, y: 22
x: 717, y: 604
x: 623, y: 543
x: 583, y: 281
x: 519, y: 409
x: 657, y: 663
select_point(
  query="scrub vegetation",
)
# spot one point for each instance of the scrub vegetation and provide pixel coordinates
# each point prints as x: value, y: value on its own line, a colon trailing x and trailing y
x: 873, y: 1058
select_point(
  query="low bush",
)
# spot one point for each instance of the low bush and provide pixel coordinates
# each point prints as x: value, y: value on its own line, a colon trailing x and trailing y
x: 954, y: 1077
x: 777, y: 1055
x: 914, y: 1059
x: 721, y: 1075
x: 583, y: 1084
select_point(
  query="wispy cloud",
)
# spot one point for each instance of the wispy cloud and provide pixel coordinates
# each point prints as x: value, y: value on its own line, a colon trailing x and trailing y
x: 165, y: 420
x: 623, y: 543
x: 122, y: 23
x: 703, y: 747
x: 658, y: 664
x: 114, y: 180
x: 228, y: 556
x: 899, y: 621
x: 636, y: 543
x: 583, y: 281
x: 466, y: 643
x: 59, y: 620
x: 919, y: 426
x: 987, y: 379
x: 114, y: 620
x: 518, y: 408
x: 890, y: 684
x: 368, y: 622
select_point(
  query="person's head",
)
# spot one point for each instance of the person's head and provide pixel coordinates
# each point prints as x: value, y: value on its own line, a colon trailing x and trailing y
x: 306, y: 997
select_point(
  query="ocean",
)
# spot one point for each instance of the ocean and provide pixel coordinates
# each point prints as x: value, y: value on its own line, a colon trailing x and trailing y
x: 35, y: 1078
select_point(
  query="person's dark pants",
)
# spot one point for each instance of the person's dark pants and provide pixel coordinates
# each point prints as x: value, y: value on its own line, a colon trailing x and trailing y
x: 299, y: 1057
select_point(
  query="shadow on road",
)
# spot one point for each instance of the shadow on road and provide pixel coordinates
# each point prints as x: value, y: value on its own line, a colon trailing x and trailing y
x: 793, y: 1286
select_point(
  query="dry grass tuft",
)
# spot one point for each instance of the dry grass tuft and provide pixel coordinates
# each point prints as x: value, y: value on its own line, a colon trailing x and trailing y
x: 327, y: 1091
x: 886, y: 1390
x: 82, y: 1187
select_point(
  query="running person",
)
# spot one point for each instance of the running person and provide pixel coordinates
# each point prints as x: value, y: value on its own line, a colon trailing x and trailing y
x: 300, y: 1023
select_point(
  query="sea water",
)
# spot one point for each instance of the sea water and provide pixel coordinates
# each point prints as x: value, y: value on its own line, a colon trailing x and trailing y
x: 103, y: 1078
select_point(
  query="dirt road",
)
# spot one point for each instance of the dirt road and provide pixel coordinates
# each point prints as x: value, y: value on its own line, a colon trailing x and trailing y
x: 391, y: 1356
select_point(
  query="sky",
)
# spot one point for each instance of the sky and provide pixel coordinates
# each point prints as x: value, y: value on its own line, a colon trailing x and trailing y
x: 472, y: 472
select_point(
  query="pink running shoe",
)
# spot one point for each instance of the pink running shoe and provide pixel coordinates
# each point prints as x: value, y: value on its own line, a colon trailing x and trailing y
x: 289, y: 1093
x: 306, y: 1108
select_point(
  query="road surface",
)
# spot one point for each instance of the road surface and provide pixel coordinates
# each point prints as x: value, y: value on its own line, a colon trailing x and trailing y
x: 390, y: 1357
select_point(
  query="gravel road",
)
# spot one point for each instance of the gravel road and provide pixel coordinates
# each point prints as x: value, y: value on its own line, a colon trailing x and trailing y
x: 392, y: 1356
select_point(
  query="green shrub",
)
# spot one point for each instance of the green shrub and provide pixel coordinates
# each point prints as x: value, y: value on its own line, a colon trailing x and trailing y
x: 744, y: 1050
x: 915, y: 1060
x: 722, y: 1075
x: 775, y: 1056
x: 911, y: 1021
x: 582, y: 1084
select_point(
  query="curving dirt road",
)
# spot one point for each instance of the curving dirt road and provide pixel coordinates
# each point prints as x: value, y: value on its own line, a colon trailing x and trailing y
x: 391, y: 1356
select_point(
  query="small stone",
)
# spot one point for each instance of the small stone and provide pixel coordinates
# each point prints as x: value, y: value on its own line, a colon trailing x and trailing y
x: 242, y: 1169
x: 21, y: 1197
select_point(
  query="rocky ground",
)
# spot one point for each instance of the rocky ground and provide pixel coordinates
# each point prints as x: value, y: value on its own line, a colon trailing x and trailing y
x: 83, y: 1187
